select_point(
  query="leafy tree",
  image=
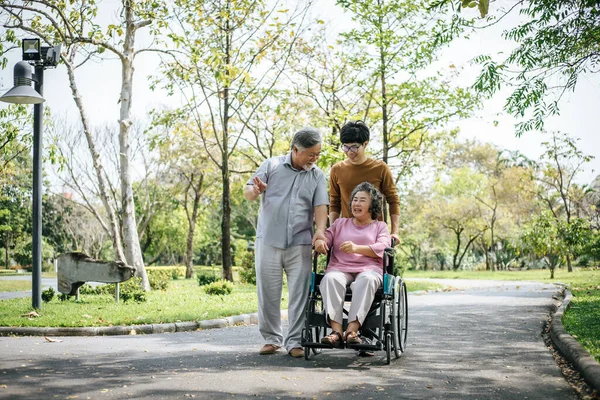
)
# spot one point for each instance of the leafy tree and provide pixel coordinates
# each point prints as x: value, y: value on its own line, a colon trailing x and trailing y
x: 454, y: 209
x: 397, y: 39
x: 230, y: 55
x: 559, y: 165
x: 542, y: 238
x: 557, y: 41
x: 75, y: 25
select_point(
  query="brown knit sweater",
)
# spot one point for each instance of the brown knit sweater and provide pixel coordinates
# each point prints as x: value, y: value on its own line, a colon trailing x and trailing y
x: 345, y: 176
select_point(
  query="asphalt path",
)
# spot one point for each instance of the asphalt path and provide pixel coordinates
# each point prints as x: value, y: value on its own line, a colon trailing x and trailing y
x: 481, y: 342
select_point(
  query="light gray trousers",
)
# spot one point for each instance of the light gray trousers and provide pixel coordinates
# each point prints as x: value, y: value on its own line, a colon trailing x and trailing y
x: 333, y: 289
x: 270, y: 264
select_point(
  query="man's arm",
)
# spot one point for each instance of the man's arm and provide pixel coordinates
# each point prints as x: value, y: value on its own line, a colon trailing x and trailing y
x: 249, y: 192
x: 333, y: 216
x: 321, y: 222
x: 395, y: 222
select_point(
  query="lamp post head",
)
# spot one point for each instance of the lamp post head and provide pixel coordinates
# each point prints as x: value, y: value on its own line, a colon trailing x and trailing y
x: 22, y: 92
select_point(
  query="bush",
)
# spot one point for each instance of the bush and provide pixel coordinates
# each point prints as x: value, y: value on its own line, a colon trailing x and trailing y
x: 240, y: 249
x: 48, y: 295
x: 159, y: 278
x: 204, y: 279
x: 88, y: 289
x: 219, y: 288
x: 248, y: 271
x: 132, y: 290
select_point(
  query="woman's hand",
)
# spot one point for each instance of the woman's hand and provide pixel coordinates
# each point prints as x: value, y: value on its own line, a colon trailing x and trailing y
x: 321, y: 246
x: 348, y: 247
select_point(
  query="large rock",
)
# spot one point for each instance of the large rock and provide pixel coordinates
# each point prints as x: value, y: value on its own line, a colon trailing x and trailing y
x: 75, y: 269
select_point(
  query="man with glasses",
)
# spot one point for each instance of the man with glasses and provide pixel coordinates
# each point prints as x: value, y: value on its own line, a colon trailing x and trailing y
x: 357, y: 168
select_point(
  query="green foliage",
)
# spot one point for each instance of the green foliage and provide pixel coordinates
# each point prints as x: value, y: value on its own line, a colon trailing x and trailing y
x: 88, y: 289
x: 48, y: 295
x: 159, y: 278
x: 557, y: 41
x: 132, y: 290
x: 24, y: 250
x: 248, y: 271
x: 219, y: 288
x: 205, y: 279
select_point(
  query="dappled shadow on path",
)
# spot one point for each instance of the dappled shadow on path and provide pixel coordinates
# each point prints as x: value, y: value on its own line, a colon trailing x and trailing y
x: 474, y: 344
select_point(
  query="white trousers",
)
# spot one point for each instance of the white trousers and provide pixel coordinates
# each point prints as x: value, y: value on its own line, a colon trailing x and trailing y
x: 271, y: 262
x: 333, y: 289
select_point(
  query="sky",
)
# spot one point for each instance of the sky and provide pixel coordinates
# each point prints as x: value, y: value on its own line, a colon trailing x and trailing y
x: 100, y: 85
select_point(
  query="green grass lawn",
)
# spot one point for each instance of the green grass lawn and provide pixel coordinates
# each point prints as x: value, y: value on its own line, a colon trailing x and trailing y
x: 183, y: 301
x: 14, y: 286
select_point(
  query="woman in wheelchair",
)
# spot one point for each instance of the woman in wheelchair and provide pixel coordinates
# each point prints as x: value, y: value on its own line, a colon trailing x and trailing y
x: 357, y: 246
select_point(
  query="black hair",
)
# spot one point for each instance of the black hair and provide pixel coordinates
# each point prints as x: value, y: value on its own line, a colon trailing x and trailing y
x: 355, y: 132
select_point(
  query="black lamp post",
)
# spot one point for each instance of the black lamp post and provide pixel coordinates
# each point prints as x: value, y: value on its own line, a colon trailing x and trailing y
x: 40, y: 57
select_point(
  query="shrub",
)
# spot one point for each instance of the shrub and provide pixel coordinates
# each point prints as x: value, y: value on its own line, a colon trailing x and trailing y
x: 204, y: 279
x: 48, y: 295
x: 159, y: 278
x: 248, y: 271
x: 240, y: 249
x: 219, y: 288
x: 132, y: 290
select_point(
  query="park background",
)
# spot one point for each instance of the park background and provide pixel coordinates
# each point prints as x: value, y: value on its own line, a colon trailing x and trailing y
x: 485, y: 113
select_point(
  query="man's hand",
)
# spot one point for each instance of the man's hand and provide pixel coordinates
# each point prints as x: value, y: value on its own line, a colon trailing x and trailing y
x: 396, y: 238
x: 348, y: 247
x: 259, y: 186
x: 321, y: 246
x: 319, y: 234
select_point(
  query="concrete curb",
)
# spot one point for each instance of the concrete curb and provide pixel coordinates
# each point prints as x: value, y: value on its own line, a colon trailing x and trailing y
x: 134, y: 329
x: 571, y: 349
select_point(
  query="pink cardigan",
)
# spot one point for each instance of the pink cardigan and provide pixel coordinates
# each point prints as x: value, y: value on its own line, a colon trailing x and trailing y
x: 375, y: 235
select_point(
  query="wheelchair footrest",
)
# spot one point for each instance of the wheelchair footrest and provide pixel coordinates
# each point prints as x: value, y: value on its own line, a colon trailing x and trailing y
x: 317, y: 345
x: 364, y: 346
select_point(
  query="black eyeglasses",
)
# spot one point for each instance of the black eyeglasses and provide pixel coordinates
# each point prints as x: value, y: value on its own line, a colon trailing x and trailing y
x: 353, y: 149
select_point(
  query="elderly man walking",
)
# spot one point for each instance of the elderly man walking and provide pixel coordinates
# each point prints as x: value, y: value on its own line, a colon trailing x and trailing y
x: 293, y: 192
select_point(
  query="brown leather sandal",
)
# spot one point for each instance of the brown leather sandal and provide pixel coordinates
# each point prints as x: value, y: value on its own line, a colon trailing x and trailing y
x: 352, y: 338
x: 334, y: 339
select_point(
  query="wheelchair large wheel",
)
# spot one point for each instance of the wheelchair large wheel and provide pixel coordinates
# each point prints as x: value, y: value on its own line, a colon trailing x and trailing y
x: 311, y: 335
x: 388, y: 348
x: 399, y: 317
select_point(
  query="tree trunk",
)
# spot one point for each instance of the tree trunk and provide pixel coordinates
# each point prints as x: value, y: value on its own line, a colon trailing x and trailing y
x: 226, y: 198
x: 189, y: 252
x: 115, y: 231
x: 133, y: 252
x: 226, y: 223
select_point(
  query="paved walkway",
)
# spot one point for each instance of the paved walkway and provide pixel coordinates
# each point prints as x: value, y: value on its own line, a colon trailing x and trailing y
x: 482, y: 342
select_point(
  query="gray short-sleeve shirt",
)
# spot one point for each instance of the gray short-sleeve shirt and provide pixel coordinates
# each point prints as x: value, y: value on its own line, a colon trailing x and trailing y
x: 287, y: 206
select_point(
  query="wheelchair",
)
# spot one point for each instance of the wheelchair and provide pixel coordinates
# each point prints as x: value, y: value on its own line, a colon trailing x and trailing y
x: 386, y: 324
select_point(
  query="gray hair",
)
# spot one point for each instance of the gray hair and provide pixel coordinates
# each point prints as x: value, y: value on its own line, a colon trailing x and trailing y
x: 305, y: 138
x: 376, y: 198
